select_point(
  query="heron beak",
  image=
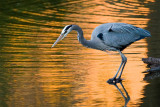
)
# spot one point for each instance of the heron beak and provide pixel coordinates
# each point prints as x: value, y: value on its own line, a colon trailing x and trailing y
x: 59, y: 38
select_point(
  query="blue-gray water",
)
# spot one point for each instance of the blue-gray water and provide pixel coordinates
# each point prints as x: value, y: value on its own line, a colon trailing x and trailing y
x: 70, y: 75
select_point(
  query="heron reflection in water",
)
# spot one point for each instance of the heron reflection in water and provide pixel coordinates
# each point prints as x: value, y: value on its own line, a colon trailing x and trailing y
x: 109, y: 37
x: 127, y: 97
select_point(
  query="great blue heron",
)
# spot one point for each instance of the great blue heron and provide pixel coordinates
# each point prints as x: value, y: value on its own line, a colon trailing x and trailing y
x: 109, y: 37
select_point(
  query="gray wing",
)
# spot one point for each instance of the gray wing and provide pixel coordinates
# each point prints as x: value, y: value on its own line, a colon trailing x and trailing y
x: 119, y: 35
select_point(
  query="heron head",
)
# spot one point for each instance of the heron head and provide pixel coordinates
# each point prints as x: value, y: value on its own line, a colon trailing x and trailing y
x: 65, y: 31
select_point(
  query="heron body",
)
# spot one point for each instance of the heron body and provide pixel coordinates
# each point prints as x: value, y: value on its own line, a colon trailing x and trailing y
x: 109, y: 37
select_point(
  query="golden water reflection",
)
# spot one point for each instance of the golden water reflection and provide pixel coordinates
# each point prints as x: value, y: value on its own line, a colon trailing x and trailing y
x: 70, y: 74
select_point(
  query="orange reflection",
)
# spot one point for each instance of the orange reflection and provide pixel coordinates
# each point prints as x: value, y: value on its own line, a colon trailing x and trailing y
x: 100, y: 66
x: 69, y: 72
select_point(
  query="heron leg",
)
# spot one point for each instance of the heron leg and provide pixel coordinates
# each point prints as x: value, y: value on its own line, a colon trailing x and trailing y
x: 118, y: 70
x: 124, y: 60
x: 114, y: 80
x: 121, y: 67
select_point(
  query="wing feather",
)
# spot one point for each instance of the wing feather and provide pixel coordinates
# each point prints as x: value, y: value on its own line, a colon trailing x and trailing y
x: 120, y: 35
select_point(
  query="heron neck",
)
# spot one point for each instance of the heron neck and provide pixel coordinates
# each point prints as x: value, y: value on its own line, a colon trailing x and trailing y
x: 81, y: 39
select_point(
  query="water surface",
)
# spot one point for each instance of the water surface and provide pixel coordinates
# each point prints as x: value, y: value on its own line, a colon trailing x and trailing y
x: 70, y: 75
